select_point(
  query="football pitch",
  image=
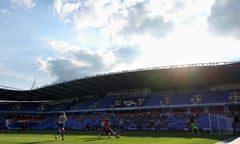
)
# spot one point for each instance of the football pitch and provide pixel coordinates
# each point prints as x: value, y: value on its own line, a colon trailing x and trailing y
x: 88, y: 137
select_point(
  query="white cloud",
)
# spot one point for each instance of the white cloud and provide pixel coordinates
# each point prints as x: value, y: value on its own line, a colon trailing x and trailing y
x: 93, y: 14
x: 120, y: 35
x: 65, y: 8
x: 138, y: 21
x: 73, y: 61
x: 43, y: 65
x: 113, y: 35
x: 62, y: 68
x: 62, y: 46
x: 84, y: 14
x: 225, y: 18
x: 58, y: 7
x: 182, y: 12
x: 25, y: 3
x: 131, y: 17
x: 69, y: 8
x: 155, y: 19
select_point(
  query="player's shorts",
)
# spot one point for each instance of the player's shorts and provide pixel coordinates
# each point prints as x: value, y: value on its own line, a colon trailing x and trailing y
x: 195, y: 127
x: 61, y: 125
x: 107, y: 130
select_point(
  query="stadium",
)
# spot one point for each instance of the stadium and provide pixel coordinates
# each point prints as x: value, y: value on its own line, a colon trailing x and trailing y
x: 119, y: 71
x: 154, y: 102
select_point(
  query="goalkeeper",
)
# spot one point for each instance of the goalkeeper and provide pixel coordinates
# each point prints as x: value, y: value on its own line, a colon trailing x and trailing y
x: 195, y: 126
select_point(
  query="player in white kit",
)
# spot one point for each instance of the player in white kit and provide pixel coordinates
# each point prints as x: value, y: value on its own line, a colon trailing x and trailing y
x: 61, y: 120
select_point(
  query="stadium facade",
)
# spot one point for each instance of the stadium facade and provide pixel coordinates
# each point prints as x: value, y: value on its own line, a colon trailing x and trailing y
x: 164, y: 98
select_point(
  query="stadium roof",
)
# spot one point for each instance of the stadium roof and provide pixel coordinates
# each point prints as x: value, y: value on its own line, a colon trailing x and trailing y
x: 180, y: 77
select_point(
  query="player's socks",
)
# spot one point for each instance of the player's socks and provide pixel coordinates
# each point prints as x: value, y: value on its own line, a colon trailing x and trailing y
x: 57, y: 132
x: 62, y: 135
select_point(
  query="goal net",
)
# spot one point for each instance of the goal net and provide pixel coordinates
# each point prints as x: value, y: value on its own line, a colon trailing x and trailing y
x: 220, y: 124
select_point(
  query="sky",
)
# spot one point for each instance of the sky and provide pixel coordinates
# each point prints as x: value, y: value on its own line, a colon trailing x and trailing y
x: 43, y: 42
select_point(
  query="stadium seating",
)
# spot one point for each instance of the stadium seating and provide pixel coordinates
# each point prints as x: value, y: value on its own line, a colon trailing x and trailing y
x: 82, y: 114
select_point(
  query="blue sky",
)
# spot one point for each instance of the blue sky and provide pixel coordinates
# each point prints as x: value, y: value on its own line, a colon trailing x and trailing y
x: 57, y: 40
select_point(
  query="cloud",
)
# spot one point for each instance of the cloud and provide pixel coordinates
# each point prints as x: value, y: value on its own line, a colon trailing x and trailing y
x: 81, y: 64
x: 62, y: 46
x: 94, y: 14
x: 84, y: 14
x: 63, y: 68
x: 132, y: 17
x: 225, y: 18
x: 65, y: 8
x: 139, y: 21
x: 24, y: 3
x: 117, y: 35
x: 71, y: 61
x: 106, y: 30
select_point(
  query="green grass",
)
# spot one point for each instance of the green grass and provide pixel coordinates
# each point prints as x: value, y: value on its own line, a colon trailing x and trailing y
x: 90, y: 137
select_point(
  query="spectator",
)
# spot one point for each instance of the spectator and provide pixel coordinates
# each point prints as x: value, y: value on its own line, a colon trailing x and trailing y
x: 236, y: 122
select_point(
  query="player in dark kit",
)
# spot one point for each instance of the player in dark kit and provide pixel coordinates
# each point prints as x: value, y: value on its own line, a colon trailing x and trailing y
x: 107, y: 129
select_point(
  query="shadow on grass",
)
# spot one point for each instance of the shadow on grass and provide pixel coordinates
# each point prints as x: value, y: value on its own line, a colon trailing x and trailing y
x: 177, y: 134
x: 142, y: 134
x: 92, y: 139
x: 38, y: 142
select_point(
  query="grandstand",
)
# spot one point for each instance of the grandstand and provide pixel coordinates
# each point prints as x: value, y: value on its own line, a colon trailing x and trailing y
x: 165, y: 98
